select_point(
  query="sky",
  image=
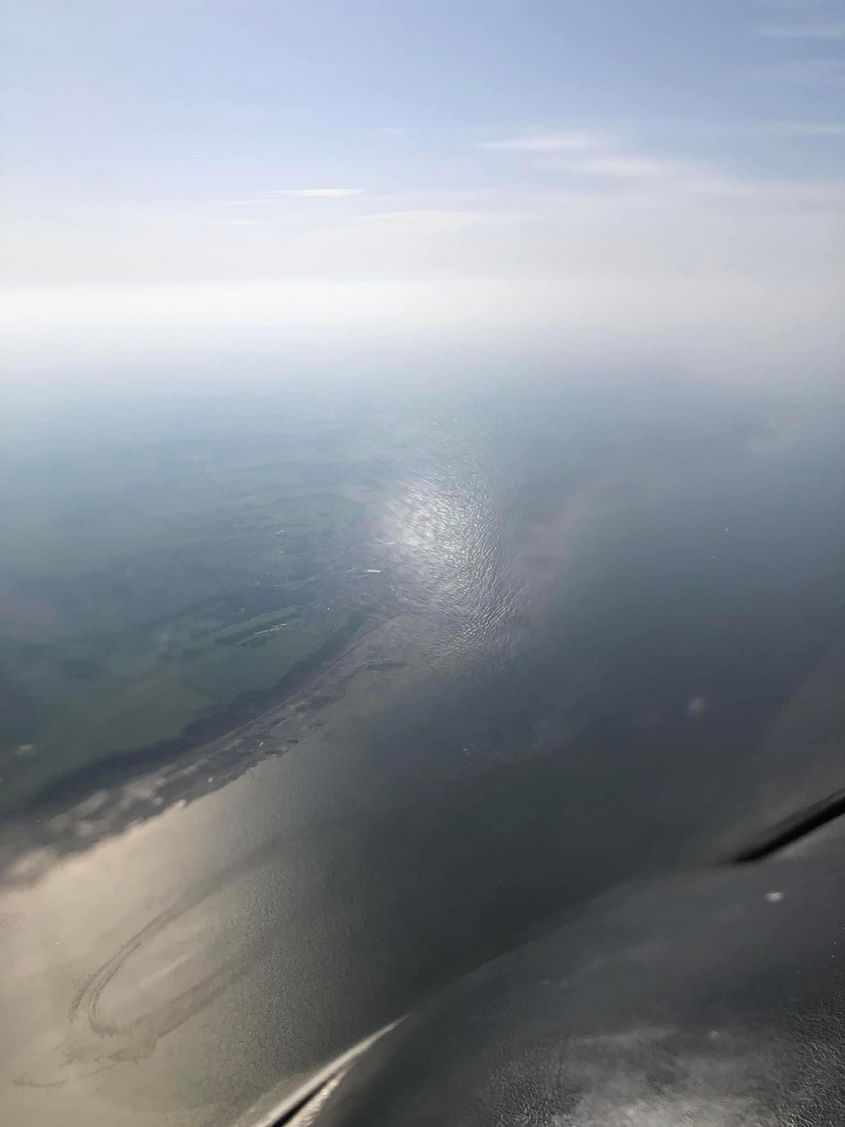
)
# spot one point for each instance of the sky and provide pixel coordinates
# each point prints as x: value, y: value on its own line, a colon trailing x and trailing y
x: 642, y: 163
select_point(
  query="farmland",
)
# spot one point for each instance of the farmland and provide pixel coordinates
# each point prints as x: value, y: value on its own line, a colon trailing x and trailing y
x: 158, y: 573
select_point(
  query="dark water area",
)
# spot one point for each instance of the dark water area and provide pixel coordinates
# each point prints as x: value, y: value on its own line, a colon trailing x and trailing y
x: 609, y: 564
x: 605, y: 625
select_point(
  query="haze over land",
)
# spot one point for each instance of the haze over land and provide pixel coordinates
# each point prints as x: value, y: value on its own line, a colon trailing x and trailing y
x: 258, y: 257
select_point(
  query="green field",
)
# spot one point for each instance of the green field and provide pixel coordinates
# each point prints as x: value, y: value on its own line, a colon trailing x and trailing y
x: 152, y: 574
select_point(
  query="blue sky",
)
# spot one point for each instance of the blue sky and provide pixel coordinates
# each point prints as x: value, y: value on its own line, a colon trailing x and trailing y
x: 223, y: 142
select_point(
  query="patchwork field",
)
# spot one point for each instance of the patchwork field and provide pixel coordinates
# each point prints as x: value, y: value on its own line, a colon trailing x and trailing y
x: 156, y: 574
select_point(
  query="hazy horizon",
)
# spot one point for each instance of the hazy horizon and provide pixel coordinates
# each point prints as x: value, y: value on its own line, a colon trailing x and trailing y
x: 263, y: 176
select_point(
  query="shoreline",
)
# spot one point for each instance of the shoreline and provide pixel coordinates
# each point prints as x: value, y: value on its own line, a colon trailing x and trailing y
x: 75, y: 811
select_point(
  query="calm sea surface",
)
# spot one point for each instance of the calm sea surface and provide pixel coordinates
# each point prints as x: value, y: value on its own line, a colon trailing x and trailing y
x: 554, y: 633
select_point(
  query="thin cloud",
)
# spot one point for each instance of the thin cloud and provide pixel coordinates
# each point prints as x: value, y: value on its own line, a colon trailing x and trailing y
x: 627, y: 167
x: 819, y: 32
x: 663, y: 181
x: 432, y: 221
x: 803, y: 129
x: 321, y: 193
x: 546, y: 143
x: 240, y: 203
